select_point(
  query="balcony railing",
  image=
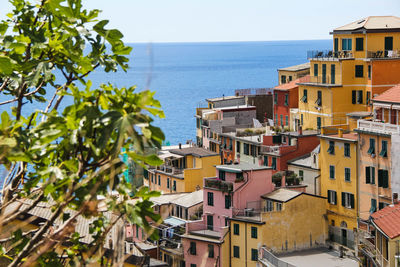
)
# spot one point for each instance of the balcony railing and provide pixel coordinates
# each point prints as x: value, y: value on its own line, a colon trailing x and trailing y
x: 329, y: 54
x: 218, y: 184
x: 384, y: 54
x: 327, y: 79
x: 265, y: 255
x: 170, y: 169
x: 379, y: 127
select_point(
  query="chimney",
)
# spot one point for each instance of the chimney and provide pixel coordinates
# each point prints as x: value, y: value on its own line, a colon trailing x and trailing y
x: 300, y: 130
x: 180, y: 146
x: 283, y: 181
x: 340, y: 133
x: 395, y: 198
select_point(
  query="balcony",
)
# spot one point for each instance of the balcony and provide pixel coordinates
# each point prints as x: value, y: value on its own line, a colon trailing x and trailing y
x: 379, y: 127
x: 326, y: 80
x: 329, y: 55
x: 218, y: 184
x: 170, y: 169
x: 384, y: 54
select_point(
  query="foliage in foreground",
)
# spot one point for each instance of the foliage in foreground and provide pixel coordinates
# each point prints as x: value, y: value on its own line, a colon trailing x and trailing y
x: 68, y: 156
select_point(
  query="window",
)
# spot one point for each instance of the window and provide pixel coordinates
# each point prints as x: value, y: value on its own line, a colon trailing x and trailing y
x: 369, y: 72
x: 382, y: 205
x: 253, y: 232
x: 383, y: 178
x: 370, y: 175
x: 278, y: 206
x: 192, y: 265
x: 210, y: 222
x: 152, y: 180
x: 228, y: 201
x: 384, y: 149
x: 315, y: 70
x: 331, y: 149
x: 353, y: 96
x: 388, y: 43
x: 359, y: 71
x: 286, y: 100
x: 221, y: 175
x: 137, y: 231
x: 273, y: 165
x: 359, y: 97
x: 159, y: 180
x: 290, y: 78
x: 269, y: 205
x: 332, y: 197
x: 368, y: 99
x: 236, y: 229
x: 283, y: 78
x: 319, y: 98
x: 174, y: 186
x: 211, y: 251
x: 276, y: 119
x: 276, y: 98
x: 237, y: 146
x: 304, y: 98
x: 168, y: 183
x: 346, y: 149
x: 246, y: 149
x: 323, y: 73
x: 373, y: 206
x: 192, y: 248
x: 347, y: 174
x: 348, y: 200
x: 254, y: 254
x: 301, y: 174
x: 236, y: 251
x: 359, y: 44
x: 336, y: 45
x: 346, y: 44
x: 287, y: 120
x: 318, y: 123
x: 265, y: 160
x: 281, y: 120
x: 331, y: 172
x: 371, y: 150
x: 301, y: 118
x: 333, y: 70
x: 210, y: 198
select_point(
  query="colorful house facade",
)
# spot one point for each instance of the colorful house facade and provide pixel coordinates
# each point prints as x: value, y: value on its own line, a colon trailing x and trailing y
x: 365, y: 61
x: 288, y: 74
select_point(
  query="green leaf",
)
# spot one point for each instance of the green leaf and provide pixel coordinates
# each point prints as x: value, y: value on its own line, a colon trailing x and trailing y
x: 6, y: 66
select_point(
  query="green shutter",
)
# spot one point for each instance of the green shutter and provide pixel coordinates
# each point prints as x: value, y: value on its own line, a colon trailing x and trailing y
x: 368, y: 175
x: 353, y: 96
x: 373, y: 175
x: 329, y: 196
x: 335, y: 197
x: 352, y: 201
x: 343, y: 197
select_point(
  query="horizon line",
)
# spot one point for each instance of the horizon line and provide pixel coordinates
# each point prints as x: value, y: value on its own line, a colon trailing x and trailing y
x: 192, y: 42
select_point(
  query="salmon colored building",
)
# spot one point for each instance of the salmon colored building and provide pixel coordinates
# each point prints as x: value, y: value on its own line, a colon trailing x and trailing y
x: 286, y: 97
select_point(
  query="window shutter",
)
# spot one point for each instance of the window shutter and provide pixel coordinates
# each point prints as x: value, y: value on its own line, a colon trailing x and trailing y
x: 373, y: 175
x: 352, y: 201
x: 343, y: 197
x: 329, y: 196
x: 367, y: 175
x: 385, y: 179
x: 335, y: 197
x: 380, y: 174
x: 353, y: 96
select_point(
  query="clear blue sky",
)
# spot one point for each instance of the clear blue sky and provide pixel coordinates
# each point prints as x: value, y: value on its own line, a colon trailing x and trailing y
x: 233, y: 20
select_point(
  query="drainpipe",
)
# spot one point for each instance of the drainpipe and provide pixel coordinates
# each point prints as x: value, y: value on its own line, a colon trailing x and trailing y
x: 245, y: 242
x: 230, y: 246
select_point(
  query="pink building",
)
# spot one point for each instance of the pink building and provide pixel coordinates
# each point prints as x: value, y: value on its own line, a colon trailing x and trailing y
x: 205, y: 242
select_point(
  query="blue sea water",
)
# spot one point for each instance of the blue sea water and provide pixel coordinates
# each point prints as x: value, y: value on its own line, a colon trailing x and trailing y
x: 185, y: 74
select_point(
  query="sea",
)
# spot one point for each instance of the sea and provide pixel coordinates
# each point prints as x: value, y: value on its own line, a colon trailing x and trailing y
x: 183, y: 75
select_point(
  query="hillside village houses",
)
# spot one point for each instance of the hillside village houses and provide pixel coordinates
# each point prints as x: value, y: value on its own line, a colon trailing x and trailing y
x: 308, y: 165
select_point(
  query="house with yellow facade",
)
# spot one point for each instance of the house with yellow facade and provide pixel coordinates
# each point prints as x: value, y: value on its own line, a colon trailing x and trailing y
x: 339, y: 182
x: 365, y: 61
x: 288, y: 74
x: 183, y: 170
x: 287, y: 221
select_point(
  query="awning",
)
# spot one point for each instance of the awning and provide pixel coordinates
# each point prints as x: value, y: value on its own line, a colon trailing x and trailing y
x: 382, y: 105
x: 173, y: 221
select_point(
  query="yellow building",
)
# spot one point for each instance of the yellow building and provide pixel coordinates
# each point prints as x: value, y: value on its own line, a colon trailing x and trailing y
x: 286, y: 221
x: 339, y: 179
x: 183, y: 170
x: 292, y: 73
x: 365, y: 61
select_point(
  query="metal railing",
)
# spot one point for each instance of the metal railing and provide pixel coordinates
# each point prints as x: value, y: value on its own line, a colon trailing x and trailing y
x: 327, y: 79
x: 170, y: 169
x: 218, y: 184
x: 271, y: 258
x: 329, y: 54
x: 384, y: 54
x: 253, y: 91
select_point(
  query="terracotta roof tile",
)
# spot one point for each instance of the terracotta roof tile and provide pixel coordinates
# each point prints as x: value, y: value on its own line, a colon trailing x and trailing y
x: 392, y: 95
x: 293, y: 84
x: 388, y: 220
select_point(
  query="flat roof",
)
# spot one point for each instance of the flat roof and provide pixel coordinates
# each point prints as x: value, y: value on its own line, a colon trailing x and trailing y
x: 217, y: 99
x: 189, y: 199
x: 359, y: 114
x: 304, y: 133
x: 302, y: 66
x: 346, y: 136
x: 242, y: 166
x: 282, y: 195
x: 195, y: 151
